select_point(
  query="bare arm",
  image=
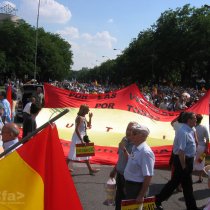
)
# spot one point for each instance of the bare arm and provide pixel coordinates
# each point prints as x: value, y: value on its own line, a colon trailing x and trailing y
x: 78, y: 123
x: 122, y: 147
x: 196, y: 138
x: 113, y: 172
x: 90, y: 120
x: 143, y: 191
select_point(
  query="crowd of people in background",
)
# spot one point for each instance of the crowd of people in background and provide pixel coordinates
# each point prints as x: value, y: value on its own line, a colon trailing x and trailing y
x: 133, y: 171
x: 165, y: 96
x: 30, y: 109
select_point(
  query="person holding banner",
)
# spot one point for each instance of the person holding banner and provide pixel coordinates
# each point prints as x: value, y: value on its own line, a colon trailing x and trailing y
x: 81, y: 125
x: 140, y: 166
x: 124, y: 150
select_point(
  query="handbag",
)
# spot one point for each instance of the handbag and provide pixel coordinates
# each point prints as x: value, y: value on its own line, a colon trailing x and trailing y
x: 86, y: 139
x: 149, y: 204
x: 85, y: 150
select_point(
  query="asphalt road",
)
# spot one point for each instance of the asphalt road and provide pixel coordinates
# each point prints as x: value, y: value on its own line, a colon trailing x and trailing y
x: 91, y: 189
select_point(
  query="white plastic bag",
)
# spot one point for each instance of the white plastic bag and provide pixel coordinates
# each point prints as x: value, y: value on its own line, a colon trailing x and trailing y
x: 110, y: 190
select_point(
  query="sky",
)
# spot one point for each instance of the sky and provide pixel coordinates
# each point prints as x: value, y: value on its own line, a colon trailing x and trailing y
x: 94, y: 28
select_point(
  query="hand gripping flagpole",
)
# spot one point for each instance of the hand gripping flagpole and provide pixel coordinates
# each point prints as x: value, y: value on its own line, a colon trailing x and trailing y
x: 26, y: 138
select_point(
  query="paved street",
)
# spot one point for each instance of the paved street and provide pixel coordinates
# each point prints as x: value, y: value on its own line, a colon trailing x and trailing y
x: 91, y: 189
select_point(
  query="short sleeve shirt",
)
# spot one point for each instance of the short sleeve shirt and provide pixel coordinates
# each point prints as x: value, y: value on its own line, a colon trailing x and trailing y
x: 185, y: 140
x: 203, y: 134
x: 122, y: 159
x: 140, y: 163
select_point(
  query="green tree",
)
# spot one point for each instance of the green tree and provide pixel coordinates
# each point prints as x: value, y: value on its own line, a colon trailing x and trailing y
x: 175, y: 48
x: 17, y: 52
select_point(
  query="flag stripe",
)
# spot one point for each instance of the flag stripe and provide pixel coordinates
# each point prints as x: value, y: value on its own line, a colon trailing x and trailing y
x: 128, y: 99
x: 45, y: 155
x: 108, y: 126
x: 21, y: 187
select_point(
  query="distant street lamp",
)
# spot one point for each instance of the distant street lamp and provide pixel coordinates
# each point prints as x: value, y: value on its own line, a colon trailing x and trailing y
x: 36, y: 44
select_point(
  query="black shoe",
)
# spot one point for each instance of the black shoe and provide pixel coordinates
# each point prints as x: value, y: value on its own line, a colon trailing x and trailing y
x: 197, y: 208
x: 199, y: 181
x: 158, y: 206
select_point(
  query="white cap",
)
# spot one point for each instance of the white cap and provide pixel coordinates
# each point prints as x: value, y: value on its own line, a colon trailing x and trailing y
x: 141, y: 128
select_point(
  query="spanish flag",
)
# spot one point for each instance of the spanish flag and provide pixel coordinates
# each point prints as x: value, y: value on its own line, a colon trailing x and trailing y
x: 112, y: 112
x: 9, y: 95
x: 36, y: 177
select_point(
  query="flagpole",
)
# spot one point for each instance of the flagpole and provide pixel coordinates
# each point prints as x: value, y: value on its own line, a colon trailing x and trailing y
x: 26, y: 138
x: 36, y: 41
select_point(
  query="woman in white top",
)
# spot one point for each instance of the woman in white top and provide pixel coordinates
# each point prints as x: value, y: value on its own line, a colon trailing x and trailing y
x: 203, y: 142
x: 81, y: 125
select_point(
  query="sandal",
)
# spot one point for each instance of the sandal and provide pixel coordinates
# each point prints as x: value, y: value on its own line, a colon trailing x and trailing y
x: 199, y: 181
x: 94, y: 171
x: 71, y: 170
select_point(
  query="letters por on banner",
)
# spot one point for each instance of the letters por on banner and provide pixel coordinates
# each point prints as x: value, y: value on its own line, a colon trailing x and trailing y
x: 84, y: 150
x: 149, y: 204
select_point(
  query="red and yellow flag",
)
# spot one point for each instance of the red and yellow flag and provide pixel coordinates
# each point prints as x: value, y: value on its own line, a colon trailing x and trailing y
x: 9, y: 95
x: 111, y: 114
x: 36, y: 177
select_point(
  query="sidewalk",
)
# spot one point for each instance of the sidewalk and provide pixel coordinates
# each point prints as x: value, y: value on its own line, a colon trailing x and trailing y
x: 91, y: 189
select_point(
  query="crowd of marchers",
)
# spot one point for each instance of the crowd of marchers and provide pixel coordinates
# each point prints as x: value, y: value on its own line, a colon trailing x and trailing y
x: 165, y: 96
x: 135, y: 166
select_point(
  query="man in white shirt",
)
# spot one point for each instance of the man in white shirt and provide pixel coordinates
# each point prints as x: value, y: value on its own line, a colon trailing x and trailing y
x: 140, y: 166
x: 164, y: 104
x: 27, y: 108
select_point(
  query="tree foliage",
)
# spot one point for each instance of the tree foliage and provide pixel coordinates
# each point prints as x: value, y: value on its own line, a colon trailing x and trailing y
x: 17, y: 52
x: 176, y: 48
